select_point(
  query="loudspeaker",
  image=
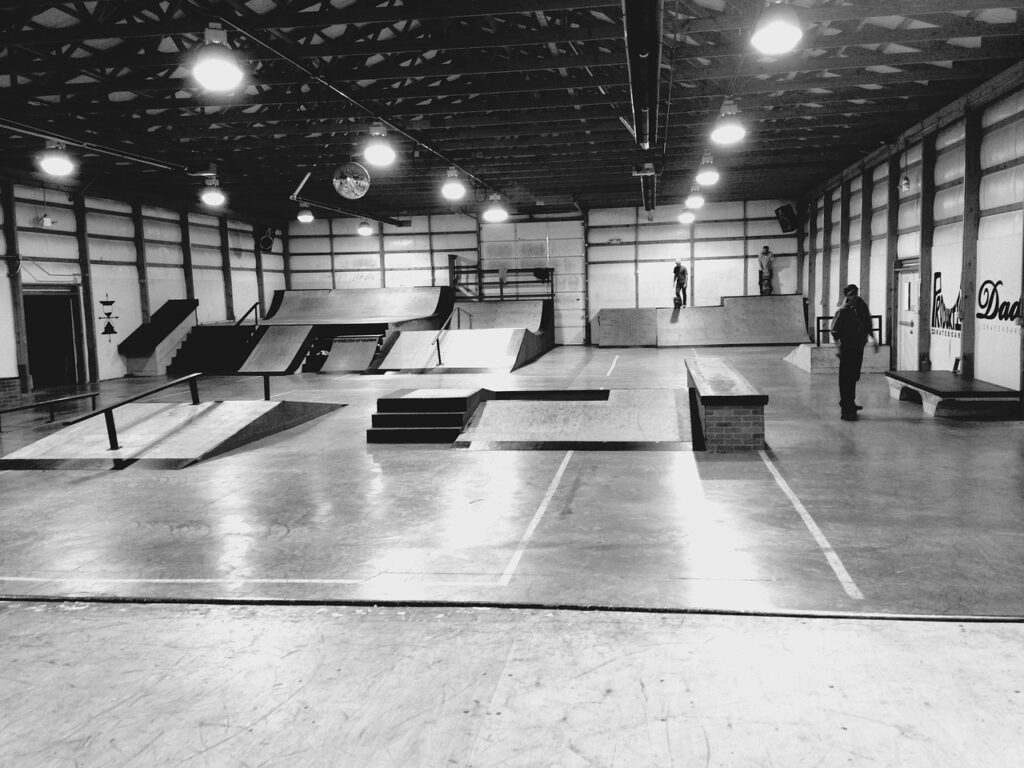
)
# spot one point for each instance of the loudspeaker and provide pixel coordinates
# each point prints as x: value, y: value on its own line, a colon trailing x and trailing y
x: 787, y: 217
x: 266, y: 239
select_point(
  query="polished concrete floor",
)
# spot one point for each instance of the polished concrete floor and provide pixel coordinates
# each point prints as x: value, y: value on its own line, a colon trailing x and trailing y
x: 852, y: 594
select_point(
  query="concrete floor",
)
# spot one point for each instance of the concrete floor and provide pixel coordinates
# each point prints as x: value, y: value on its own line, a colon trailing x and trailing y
x: 851, y: 595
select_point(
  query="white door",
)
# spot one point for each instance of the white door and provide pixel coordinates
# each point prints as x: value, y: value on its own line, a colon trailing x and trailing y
x: 907, y: 321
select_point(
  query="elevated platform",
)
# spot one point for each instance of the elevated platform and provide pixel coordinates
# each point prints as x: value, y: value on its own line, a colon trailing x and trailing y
x: 738, y: 321
x: 149, y: 349
x: 824, y: 359
x: 944, y: 393
x: 164, y: 435
x: 358, y: 306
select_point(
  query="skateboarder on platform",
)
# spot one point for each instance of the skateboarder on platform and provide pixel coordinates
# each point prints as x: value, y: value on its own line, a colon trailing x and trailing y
x: 765, y: 266
x: 680, y: 278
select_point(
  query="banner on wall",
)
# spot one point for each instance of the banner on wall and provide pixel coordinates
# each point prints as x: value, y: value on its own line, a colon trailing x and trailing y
x: 998, y: 313
x: 946, y: 318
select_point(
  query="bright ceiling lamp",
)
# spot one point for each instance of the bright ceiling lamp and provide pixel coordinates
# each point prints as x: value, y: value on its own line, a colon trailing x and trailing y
x: 305, y: 215
x: 695, y: 199
x: 778, y: 30
x: 378, y: 151
x: 453, y: 188
x: 55, y: 161
x: 496, y: 212
x: 215, y: 67
x: 707, y: 174
x: 212, y: 194
x: 728, y: 129
x: 687, y: 217
x: 364, y: 228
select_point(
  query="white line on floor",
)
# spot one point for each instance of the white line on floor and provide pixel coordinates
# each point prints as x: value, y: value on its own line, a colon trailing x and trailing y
x: 506, y: 577
x: 830, y: 554
x: 326, y: 582
x: 613, y: 366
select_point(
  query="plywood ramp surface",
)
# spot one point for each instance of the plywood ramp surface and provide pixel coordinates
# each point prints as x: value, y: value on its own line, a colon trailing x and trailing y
x: 490, y: 349
x: 348, y: 356
x: 280, y: 350
x: 740, y: 320
x: 354, y: 306
x: 500, y: 314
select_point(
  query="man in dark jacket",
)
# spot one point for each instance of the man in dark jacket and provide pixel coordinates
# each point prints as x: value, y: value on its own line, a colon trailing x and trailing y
x: 851, y: 328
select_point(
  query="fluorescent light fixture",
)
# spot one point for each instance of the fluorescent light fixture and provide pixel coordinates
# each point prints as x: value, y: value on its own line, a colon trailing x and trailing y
x: 496, y: 212
x: 728, y: 129
x: 305, y: 215
x: 212, y: 194
x: 216, y: 67
x: 707, y: 174
x: 695, y: 199
x: 378, y: 151
x: 364, y: 228
x: 55, y: 161
x: 453, y: 188
x: 778, y: 30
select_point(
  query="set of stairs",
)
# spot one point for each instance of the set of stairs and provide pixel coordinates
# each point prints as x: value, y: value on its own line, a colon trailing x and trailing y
x: 214, y: 349
x: 424, y: 416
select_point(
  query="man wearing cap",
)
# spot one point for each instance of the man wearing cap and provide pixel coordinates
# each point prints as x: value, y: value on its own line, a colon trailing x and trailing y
x: 764, y: 271
x: 850, y: 328
x: 680, y: 278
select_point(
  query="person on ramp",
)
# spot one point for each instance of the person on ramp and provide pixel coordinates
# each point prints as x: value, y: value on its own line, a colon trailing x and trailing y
x: 680, y: 278
x: 765, y: 267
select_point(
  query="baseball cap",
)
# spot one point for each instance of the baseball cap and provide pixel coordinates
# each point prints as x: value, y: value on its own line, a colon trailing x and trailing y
x: 850, y: 290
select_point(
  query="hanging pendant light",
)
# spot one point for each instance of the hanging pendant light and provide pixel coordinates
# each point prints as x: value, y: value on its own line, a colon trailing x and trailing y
x: 496, y: 212
x: 728, y: 129
x: 378, y: 151
x: 707, y: 174
x: 453, y: 188
x: 695, y: 199
x: 212, y: 195
x: 305, y: 215
x: 55, y: 161
x: 778, y: 30
x: 364, y: 228
x: 216, y: 66
x: 687, y: 217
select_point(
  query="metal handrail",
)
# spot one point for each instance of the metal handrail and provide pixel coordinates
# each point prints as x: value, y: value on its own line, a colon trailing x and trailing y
x: 247, y: 313
x: 50, y: 403
x: 444, y: 327
x: 108, y: 412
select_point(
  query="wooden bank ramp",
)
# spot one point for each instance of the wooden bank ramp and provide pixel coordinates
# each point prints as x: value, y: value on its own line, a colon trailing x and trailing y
x: 357, y: 306
x: 280, y: 350
x: 164, y: 435
x: 476, y: 350
x: 739, y: 320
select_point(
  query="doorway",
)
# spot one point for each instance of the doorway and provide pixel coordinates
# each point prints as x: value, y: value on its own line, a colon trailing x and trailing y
x: 53, y: 333
x: 907, y: 321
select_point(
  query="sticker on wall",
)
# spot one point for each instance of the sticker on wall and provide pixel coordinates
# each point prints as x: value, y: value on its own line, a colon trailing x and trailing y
x: 946, y: 320
x: 107, y: 316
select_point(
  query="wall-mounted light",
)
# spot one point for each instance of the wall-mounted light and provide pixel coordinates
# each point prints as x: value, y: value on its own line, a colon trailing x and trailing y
x: 778, y: 30
x: 495, y: 212
x: 216, y: 66
x: 905, y: 184
x: 687, y: 217
x: 378, y: 151
x: 707, y: 174
x: 695, y: 199
x: 212, y: 195
x: 55, y: 161
x: 728, y: 129
x: 305, y: 215
x: 364, y: 228
x: 453, y: 188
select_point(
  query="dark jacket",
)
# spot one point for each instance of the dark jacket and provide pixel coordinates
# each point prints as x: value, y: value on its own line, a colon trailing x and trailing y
x: 848, y: 328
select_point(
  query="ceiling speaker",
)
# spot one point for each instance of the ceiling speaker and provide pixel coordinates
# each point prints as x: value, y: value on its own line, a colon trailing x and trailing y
x: 787, y: 218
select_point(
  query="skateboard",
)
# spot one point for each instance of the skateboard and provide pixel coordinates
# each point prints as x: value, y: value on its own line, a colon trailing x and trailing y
x: 678, y: 302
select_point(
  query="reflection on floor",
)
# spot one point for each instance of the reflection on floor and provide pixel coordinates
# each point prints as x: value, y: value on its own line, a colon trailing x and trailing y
x: 479, y: 563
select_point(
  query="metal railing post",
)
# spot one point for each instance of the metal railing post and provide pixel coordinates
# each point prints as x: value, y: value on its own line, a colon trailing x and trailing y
x: 193, y: 387
x: 111, y: 430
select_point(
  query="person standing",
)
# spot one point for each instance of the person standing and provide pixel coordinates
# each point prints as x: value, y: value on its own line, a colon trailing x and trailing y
x: 680, y: 278
x: 765, y: 266
x: 851, y: 328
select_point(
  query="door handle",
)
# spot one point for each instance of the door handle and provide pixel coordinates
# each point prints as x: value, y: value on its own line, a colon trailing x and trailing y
x: 907, y: 323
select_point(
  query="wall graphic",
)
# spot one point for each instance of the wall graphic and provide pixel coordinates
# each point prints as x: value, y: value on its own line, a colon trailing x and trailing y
x: 946, y: 318
x: 998, y: 314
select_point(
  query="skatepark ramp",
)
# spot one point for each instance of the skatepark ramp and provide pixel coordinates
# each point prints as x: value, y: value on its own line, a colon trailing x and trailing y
x: 360, y: 306
x: 739, y: 320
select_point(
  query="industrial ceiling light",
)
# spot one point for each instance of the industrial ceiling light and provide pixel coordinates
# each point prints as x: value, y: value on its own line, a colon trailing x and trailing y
x: 305, y: 215
x: 364, y: 228
x: 212, y: 194
x: 215, y: 67
x: 728, y: 129
x: 378, y: 151
x: 55, y: 161
x: 695, y: 199
x: 707, y: 174
x: 453, y: 188
x: 496, y: 212
x: 778, y: 30
x: 687, y: 217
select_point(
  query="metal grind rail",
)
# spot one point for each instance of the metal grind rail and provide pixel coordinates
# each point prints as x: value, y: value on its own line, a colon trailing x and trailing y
x: 49, y: 403
x: 108, y: 412
x: 457, y: 312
